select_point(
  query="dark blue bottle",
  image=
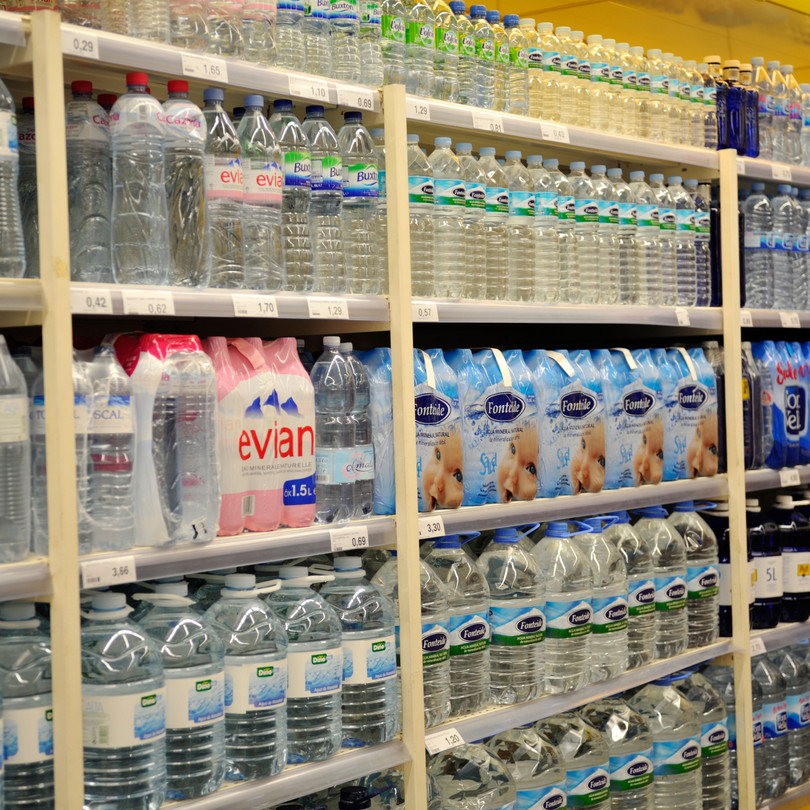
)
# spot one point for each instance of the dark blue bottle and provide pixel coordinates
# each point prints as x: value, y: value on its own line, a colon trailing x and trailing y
x: 717, y: 519
x: 714, y: 249
x: 735, y: 105
x: 794, y: 533
x: 765, y: 548
x: 714, y: 82
x: 751, y: 112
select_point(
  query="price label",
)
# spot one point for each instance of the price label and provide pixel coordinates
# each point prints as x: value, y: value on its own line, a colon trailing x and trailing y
x: 110, y: 571
x: 789, y: 477
x: 555, y: 132
x: 682, y: 316
x: 205, y: 67
x: 82, y: 43
x: 491, y: 123
x: 746, y: 319
x: 757, y: 646
x: 425, y: 311
x: 336, y: 308
x: 308, y: 87
x: 147, y: 303
x: 790, y: 320
x: 350, y: 538
x: 358, y: 98
x: 418, y: 109
x: 740, y: 166
x: 442, y: 740
x: 431, y: 527
x: 780, y: 171
x: 255, y: 306
x: 91, y: 301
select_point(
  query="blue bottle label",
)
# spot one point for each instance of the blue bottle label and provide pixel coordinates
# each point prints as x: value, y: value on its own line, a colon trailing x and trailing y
x: 299, y: 491
x: 338, y: 465
x: 703, y: 227
x: 670, y: 593
x: 343, y: 10
x: 194, y: 702
x: 476, y: 196
x: 545, y: 204
x: 714, y: 739
x: 314, y: 673
x: 435, y: 644
x: 27, y: 735
x: 702, y: 582
x: 587, y: 787
x: 551, y: 61
x: 774, y: 719
x: 627, y: 214
x: 317, y: 9
x: 568, y: 619
x: 685, y: 220
x: 468, y: 633
x: 253, y: 684
x: 600, y: 72
x: 631, y: 772
x: 641, y: 599
x: 566, y: 208
x: 420, y: 189
x: 521, y: 205
x: 297, y: 169
x: 547, y: 798
x: 676, y: 757
x: 798, y: 710
x: 758, y: 730
x: 517, y: 627
x: 449, y: 192
x: 369, y: 660
x: 497, y: 200
x: 360, y: 180
x: 587, y: 210
x: 326, y: 173
x: 609, y: 614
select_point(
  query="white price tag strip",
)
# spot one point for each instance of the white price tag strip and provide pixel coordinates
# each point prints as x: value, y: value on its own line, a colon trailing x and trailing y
x: 779, y: 171
x: 358, y: 98
x: 309, y: 87
x: 432, y: 526
x: 254, y: 306
x: 746, y: 319
x: 82, y: 43
x: 442, y: 740
x: 334, y: 308
x: 418, y: 109
x: 790, y: 320
x: 789, y: 477
x: 757, y: 646
x: 555, y: 132
x: 425, y: 311
x: 147, y: 303
x: 740, y: 166
x: 205, y: 67
x: 91, y: 301
x: 111, y: 571
x: 349, y: 539
x: 487, y: 121
x: 682, y: 316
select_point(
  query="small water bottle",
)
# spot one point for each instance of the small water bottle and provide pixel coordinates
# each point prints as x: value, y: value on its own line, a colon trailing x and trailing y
x: 467, y: 60
x: 703, y: 235
x: 259, y: 32
x: 496, y: 218
x: 381, y: 211
x: 490, y: 788
x: 585, y: 231
x: 500, y: 97
x: 518, y: 75
x: 666, y: 240
x: 608, y: 230
x: 291, y: 45
x: 794, y: 531
x: 449, y: 211
x: 570, y: 292
x: 344, y: 16
x: 446, y: 53
x: 685, y: 254
x: 774, y: 726
x: 647, y: 241
x: 371, y: 62
x: 758, y: 254
x: 363, y: 487
x: 225, y: 28
x: 765, y: 548
x: 485, y: 56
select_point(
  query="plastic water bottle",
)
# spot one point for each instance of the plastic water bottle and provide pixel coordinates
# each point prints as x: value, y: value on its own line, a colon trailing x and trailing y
x: 713, y: 121
x: 333, y: 381
x: 446, y: 52
x: 363, y: 486
x: 475, y: 236
x: 608, y: 641
x: 496, y: 223
x: 140, y: 231
x: 467, y: 60
x: 586, y: 759
x: 535, y: 766
x: 291, y: 44
x: 774, y: 726
x: 25, y: 683
x: 15, y: 452
x: 261, y: 211
x: 644, y: 92
x: 500, y: 97
x: 585, y: 231
x: 607, y: 232
x: 670, y: 570
x: 580, y: 48
x: 381, y: 211
x: 566, y: 218
x: 123, y: 707
x: 782, y: 238
x: 420, y: 45
x: 522, y: 282
x: 793, y: 147
x: 765, y: 548
x: 751, y: 111
x: 659, y: 96
x: 517, y: 618
x: 702, y: 241
x: 344, y: 16
x: 188, y: 25
x: 394, y: 26
x: 721, y: 679
x: 552, y: 69
x: 779, y: 124
x: 255, y: 680
x: 685, y: 255
x: 518, y: 71
x: 534, y: 64
x: 224, y: 189
x: 259, y: 32
x: 599, y: 89
x: 546, y: 237
x: 571, y: 104
x: 569, y: 590
x: 315, y: 33
x: 225, y: 28
x: 666, y: 240
x: 675, y: 726
x: 758, y: 255
x: 469, y: 775
x: 295, y: 197
x: 797, y: 692
x: 794, y: 530
x: 805, y: 132
x: 193, y: 657
x: 617, y: 56
x: 627, y: 251
x: 630, y: 746
x: 26, y: 180
x: 420, y: 217
x: 485, y: 55
x: 693, y: 93
x: 764, y: 87
x: 629, y: 94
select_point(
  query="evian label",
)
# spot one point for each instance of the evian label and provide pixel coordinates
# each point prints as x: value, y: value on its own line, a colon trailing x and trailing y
x: 504, y: 406
x: 577, y: 404
x: 223, y: 178
x: 568, y: 619
x: 262, y: 183
x: 431, y: 409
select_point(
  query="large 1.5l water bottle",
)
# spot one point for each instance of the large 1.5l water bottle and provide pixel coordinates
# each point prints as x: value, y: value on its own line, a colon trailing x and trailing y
x: 371, y: 64
x: 685, y: 257
x: 475, y: 237
x: 485, y: 56
x: 471, y: 776
x: 518, y: 71
x: 28, y: 202
x: 520, y: 231
x: 123, y: 708
x: 363, y: 488
x: 626, y: 245
x: 449, y: 209
x: 420, y: 218
x: 585, y: 230
x: 25, y: 683
x: 345, y: 30
x: 446, y: 53
x: 140, y: 221
x: 495, y: 223
x: 316, y: 27
x: 419, y: 48
x: 566, y: 216
x: 784, y: 282
x: 774, y: 726
x: 393, y: 24
x: 259, y: 33
x: 701, y: 199
x: 290, y: 43
x: 758, y: 255
x: 467, y: 60
x: 666, y: 240
x: 607, y: 231
x: 546, y: 238
x: 647, y: 241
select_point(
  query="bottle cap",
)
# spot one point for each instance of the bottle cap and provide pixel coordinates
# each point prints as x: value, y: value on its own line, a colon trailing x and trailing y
x: 773, y: 64
x: 758, y: 186
x: 81, y: 87
x: 109, y: 600
x: 442, y: 142
x: 621, y: 517
x: 656, y: 178
x: 545, y: 27
x: 653, y: 53
x: 293, y: 572
x: 637, y: 50
x: 526, y: 22
x: 493, y: 15
x: 354, y: 797
x: 331, y: 341
x: 214, y: 94
x: 282, y: 105
x: 511, y: 20
x: 609, y: 43
x: 240, y: 582
x: 177, y: 588
x: 513, y: 154
x: 377, y: 132
x: 752, y: 502
x: 137, y: 80
x: 312, y: 110
x: 577, y: 166
x: 175, y: 86
x: 684, y: 506
x: 551, y: 163
x: 594, y: 39
x: 534, y: 160
x: 478, y: 11
x: 254, y: 100
x: 506, y: 534
x: 675, y: 180
x: 787, y: 68
x: 783, y: 188
x: 487, y: 151
x: 463, y: 147
x: 563, y: 30
x: 745, y: 67
x: 412, y: 137
x: 636, y: 176
x: 615, y: 173
x: 457, y: 7
x: 598, y: 169
x: 352, y: 117
x: 348, y: 564
x: 731, y: 63
x: 17, y: 611
x: 757, y: 61
x: 712, y: 60
x: 578, y: 35
x: 691, y: 182
x: 652, y: 512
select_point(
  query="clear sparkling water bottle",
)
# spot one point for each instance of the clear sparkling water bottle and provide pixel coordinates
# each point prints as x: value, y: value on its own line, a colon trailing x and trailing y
x: 774, y: 726
x: 546, y: 237
x: 344, y: 41
x: 522, y: 281
x: 446, y: 53
x: 607, y: 231
x: 420, y: 218
x: 518, y: 74
x: 685, y: 255
x: 585, y: 230
x: 495, y: 223
x: 393, y: 25
x: 420, y: 23
x: 485, y: 55
x: 471, y: 776
x: 475, y: 236
x: 666, y: 240
x: 566, y: 216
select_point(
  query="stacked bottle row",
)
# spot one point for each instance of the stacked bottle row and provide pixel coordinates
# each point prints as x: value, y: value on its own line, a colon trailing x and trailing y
x: 529, y: 233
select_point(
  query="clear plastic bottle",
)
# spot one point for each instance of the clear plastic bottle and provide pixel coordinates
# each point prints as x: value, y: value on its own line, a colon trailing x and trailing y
x: 394, y: 26
x: 259, y: 32
x: 485, y: 56
x: 627, y: 248
x: 583, y: 114
x: 569, y: 590
x: 701, y: 198
x: 470, y: 776
x: 291, y: 45
x: 599, y: 90
x: 371, y: 62
x: 765, y: 548
x: 140, y: 221
x: 793, y: 668
x: 420, y: 215
x: 782, y: 252
x: 25, y: 683
x: 695, y: 108
x: 780, y: 120
x: 518, y: 73
x: 446, y: 53
x: 764, y: 87
x: 566, y: 219
x: 534, y: 63
x: 570, y: 99
x: 793, y: 146
x: 644, y: 92
x: 685, y: 256
x: 774, y: 726
x: 296, y: 233
x: 316, y: 28
x: 522, y: 282
x: 659, y: 96
x: 475, y: 237
x: 586, y: 232
x: 149, y: 21
x: 546, y: 237
x: 805, y: 133
x: 381, y: 211
x: 615, y: 82
x: 467, y: 60
x: 517, y: 618
x: 188, y: 24
x: 225, y: 28
x: 710, y: 120
x: 550, y: 46
x: 122, y: 678
x: 420, y: 25
x: 14, y: 264
x: 676, y: 117
x: 344, y: 16
x: 469, y: 603
x: 607, y: 231
x: 363, y: 486
x: 758, y: 255
x: 224, y: 192
x: 629, y: 95
x: 666, y: 240
x: 496, y: 224
x: 500, y: 99
x: 449, y: 209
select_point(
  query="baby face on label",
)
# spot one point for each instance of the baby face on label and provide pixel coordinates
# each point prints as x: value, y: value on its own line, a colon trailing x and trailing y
x: 648, y: 464
x: 701, y: 455
x: 517, y: 472
x: 588, y: 466
x: 442, y: 480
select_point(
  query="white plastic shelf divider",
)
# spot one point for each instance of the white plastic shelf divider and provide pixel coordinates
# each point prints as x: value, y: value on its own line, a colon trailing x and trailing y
x: 495, y: 720
x: 772, y: 319
x: 23, y: 294
x: 492, y: 516
x: 783, y: 635
x: 772, y: 171
x: 756, y: 480
x: 26, y: 579
x: 245, y: 549
x: 11, y: 29
x: 790, y: 798
x: 300, y: 780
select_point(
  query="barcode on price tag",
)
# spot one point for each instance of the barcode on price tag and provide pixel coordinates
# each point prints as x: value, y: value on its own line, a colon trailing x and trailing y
x: 308, y: 87
x: 205, y: 67
x: 337, y: 308
x: 358, y: 98
x: 80, y: 42
x: 491, y: 123
x: 790, y: 320
x: 740, y: 166
x: 254, y: 306
x: 682, y: 316
x: 425, y: 311
x: 555, y: 132
x: 418, y: 109
x: 442, y: 740
x: 789, y: 477
x: 349, y: 539
x: 147, y: 303
x: 91, y: 301
x: 109, y: 571
x: 746, y: 319
x: 431, y: 527
x: 757, y: 646
x: 781, y: 172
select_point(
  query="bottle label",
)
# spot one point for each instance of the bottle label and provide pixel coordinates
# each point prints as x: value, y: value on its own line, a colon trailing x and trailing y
x: 782, y: 241
x: 752, y: 575
x: 713, y: 739
x: 758, y: 239
x: 631, y: 772
x: 27, y: 734
x: 600, y: 72
x: 609, y: 614
x: 369, y: 660
x: 552, y: 61
x: 780, y: 107
x: 686, y: 92
x: 449, y: 192
x: 421, y: 34
x: 381, y: 176
x: 297, y: 169
x: 517, y: 627
x: 123, y: 721
x: 587, y: 787
x: 485, y: 49
x: 696, y: 91
x: 194, y: 702
x: 252, y: 686
x: 370, y: 13
x: 521, y: 205
x: 630, y: 80
x: 674, y: 88
x: 608, y: 212
x: 702, y: 582
x: 584, y: 69
x: 724, y: 585
x: 641, y: 599
x: 798, y: 711
x: 9, y: 147
x: 319, y: 9
x: 435, y: 644
x: 466, y: 46
x: 535, y: 57
x: 666, y: 219
x: 446, y: 41
x: 670, y: 593
x: 111, y: 415
x: 393, y: 28
x: 684, y: 220
x: 360, y: 180
x: 768, y: 582
x: 81, y: 415
x: 566, y: 208
x: 13, y: 420
x: 290, y: 5
x: 659, y: 84
x: 343, y: 10
x: 223, y: 178
x: 627, y: 214
x: 758, y: 728
x: 519, y: 57
x: 774, y: 720
x: 731, y: 722
x: 766, y: 104
x: 502, y: 53
x: 468, y: 633
x: 616, y: 75
x: 96, y: 128
x: 326, y: 173
x: 364, y: 462
x: 710, y: 96
x: 314, y: 673
x: 800, y: 243
x: 497, y: 201
x: 263, y: 183
x: 587, y: 210
x: 676, y: 757
x: 796, y: 571
x: 476, y: 196
x: 568, y: 619
x: 545, y: 204
x: 339, y: 465
x: 420, y: 190
x: 703, y: 230
x: 569, y: 65
x: 547, y: 798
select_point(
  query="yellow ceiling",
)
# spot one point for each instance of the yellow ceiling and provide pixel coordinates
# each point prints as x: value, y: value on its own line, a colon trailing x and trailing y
x: 735, y: 29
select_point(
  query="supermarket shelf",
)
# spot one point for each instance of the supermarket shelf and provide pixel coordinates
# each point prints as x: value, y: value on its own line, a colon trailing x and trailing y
x: 22, y: 294
x: 300, y: 780
x: 11, y: 29
x: 794, y: 799
x: 756, y: 480
x: 772, y: 170
x: 782, y: 635
x: 26, y: 579
x: 772, y: 318
x: 495, y: 720
x: 491, y: 516
x: 245, y: 549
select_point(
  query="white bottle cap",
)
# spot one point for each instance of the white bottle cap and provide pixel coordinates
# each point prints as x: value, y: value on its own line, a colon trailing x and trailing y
x: 731, y: 63
x: 17, y: 611
x: 712, y: 60
x: 177, y: 588
x: 293, y: 572
x: 109, y: 600
x: 240, y: 582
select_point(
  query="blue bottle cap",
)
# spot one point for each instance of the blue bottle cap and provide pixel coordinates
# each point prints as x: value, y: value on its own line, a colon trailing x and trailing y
x: 412, y: 137
x: 656, y: 178
x: 314, y: 111
x: 466, y: 147
x: 534, y: 160
x: 282, y: 105
x: 758, y: 186
x: 237, y: 112
x: 551, y: 163
x: 614, y: 174
x: 254, y: 100
x: 652, y: 512
x: 377, y: 132
x: 457, y: 7
x: 621, y: 517
x: 577, y: 166
x: 510, y: 20
x: 493, y: 15
x: 352, y: 117
x: 214, y: 94
x: 487, y: 151
x: 690, y: 183
x: 598, y: 169
x: 506, y: 535
x: 455, y: 540
x: 783, y: 188
x: 674, y: 180
x: 442, y: 142
x: 513, y: 154
x: 636, y: 176
x: 684, y: 506
x: 479, y: 12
